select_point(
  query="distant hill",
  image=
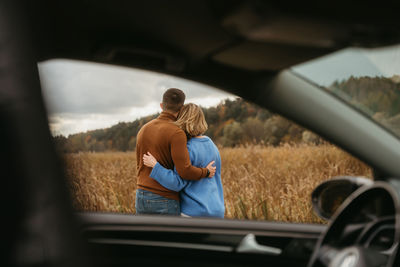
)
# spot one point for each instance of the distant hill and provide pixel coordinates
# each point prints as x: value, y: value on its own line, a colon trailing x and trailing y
x: 231, y: 123
x: 378, y: 97
x: 371, y: 95
x: 237, y: 122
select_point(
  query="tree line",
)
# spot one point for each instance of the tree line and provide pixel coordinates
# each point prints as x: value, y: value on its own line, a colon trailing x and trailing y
x: 231, y: 123
x: 238, y: 122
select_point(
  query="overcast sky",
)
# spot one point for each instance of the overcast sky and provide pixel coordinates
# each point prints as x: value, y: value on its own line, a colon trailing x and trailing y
x: 352, y: 62
x: 83, y: 96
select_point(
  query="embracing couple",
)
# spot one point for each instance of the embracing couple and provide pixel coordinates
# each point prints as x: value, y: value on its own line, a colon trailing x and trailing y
x: 179, y: 168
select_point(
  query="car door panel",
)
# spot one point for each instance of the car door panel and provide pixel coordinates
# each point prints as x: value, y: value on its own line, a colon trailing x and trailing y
x: 120, y: 240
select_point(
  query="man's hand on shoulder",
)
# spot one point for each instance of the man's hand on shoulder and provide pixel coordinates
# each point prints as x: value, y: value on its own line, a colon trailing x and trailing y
x: 211, y: 169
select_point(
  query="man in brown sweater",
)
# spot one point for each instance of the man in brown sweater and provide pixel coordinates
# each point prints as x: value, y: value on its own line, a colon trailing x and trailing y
x: 167, y: 143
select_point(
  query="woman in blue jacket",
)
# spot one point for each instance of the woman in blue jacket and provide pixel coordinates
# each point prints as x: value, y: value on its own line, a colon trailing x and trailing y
x: 197, y: 198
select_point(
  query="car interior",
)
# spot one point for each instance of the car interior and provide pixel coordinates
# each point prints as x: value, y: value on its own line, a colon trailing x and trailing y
x: 244, y: 47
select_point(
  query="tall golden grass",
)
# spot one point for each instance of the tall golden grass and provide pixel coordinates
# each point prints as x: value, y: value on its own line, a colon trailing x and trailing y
x: 263, y: 183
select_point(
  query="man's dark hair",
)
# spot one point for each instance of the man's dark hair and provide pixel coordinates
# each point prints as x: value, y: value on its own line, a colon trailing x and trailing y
x: 173, y: 99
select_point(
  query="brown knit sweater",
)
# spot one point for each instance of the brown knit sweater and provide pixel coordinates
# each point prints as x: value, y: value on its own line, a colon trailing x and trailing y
x: 167, y: 143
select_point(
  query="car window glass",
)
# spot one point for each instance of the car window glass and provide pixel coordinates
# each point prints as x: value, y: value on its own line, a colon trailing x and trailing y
x: 367, y: 79
x: 269, y: 164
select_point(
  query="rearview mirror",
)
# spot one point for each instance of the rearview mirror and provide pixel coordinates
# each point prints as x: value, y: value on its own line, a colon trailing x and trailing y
x: 329, y: 195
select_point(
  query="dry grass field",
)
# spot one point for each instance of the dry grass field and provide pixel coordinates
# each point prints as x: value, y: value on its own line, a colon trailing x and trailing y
x: 263, y: 183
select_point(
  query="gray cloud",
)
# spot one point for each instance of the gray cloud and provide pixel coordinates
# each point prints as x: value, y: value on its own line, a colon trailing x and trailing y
x: 93, y: 88
x: 82, y: 96
x: 84, y: 88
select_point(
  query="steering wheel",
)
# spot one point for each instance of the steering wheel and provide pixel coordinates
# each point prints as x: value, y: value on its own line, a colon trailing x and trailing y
x: 364, y: 231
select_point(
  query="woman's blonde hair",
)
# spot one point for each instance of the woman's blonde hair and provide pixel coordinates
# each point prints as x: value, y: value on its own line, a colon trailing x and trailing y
x: 191, y: 119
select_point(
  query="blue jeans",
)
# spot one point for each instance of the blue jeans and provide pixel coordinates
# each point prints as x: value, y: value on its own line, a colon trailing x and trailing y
x: 150, y: 203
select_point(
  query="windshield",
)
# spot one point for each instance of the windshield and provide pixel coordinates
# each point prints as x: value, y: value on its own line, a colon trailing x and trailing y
x: 268, y: 165
x: 367, y: 79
